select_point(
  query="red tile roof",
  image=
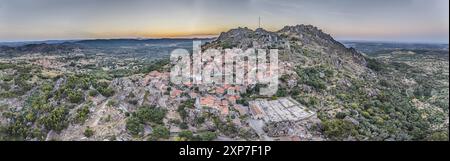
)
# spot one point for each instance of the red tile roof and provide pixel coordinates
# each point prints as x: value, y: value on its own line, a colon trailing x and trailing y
x: 175, y: 93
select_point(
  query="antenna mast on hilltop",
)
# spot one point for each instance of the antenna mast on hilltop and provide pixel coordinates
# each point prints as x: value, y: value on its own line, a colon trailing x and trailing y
x: 259, y: 22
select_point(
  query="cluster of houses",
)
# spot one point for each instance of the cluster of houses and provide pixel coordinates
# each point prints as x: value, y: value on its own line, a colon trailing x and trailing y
x: 157, y: 79
x: 48, y: 63
x: 216, y: 98
x: 222, y: 99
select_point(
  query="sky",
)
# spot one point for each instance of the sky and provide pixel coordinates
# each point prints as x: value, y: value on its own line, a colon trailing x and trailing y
x: 370, y: 20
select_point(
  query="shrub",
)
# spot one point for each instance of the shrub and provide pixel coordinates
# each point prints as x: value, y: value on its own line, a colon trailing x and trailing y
x: 107, y: 92
x: 6, y: 66
x: 338, y: 129
x: 160, y: 132
x: 133, y: 101
x: 375, y: 65
x: 102, y: 88
x: 111, y: 103
x: 150, y: 114
x: 82, y: 114
x: 199, y: 120
x: 207, y: 136
x: 56, y: 120
x: 312, y: 76
x: 158, y: 66
x: 88, y: 132
x: 75, y: 96
x: 226, y: 45
x: 340, y: 115
x: 186, y: 135
x: 134, y: 126
x: 439, y: 136
x: 93, y: 93
x: 281, y: 92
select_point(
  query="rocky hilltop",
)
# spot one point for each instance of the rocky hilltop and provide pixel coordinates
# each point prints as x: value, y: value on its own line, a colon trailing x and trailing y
x: 297, y: 44
x: 356, y: 97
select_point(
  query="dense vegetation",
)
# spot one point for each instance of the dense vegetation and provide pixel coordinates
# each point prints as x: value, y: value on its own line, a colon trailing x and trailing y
x: 373, y: 110
x: 145, y: 115
x: 315, y: 76
x: 47, y: 106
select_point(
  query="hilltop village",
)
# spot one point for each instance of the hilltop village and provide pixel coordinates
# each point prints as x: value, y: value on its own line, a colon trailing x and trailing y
x: 121, y: 90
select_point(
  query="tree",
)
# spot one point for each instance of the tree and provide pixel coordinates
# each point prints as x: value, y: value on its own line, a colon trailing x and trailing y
x: 160, y: 132
x: 150, y: 114
x: 186, y: 135
x: 199, y: 120
x: 281, y: 92
x: 102, y: 88
x: 182, y: 112
x: 184, y: 125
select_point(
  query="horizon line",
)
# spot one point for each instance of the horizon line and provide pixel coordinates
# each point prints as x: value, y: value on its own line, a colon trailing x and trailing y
x: 213, y: 37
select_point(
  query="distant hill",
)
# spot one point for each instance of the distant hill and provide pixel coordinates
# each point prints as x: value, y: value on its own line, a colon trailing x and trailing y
x: 109, y: 46
x: 373, y: 47
x: 59, y: 48
x: 22, y: 43
x: 136, y: 42
x: 102, y: 41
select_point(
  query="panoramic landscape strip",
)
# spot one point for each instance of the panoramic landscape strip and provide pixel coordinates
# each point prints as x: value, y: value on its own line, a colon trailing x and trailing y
x: 249, y: 70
